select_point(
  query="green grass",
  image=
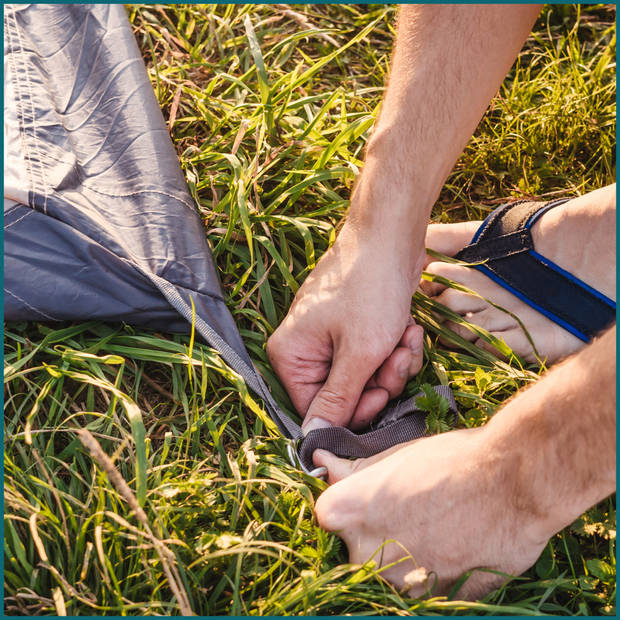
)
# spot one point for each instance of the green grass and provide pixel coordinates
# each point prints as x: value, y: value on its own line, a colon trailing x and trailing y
x: 270, y: 112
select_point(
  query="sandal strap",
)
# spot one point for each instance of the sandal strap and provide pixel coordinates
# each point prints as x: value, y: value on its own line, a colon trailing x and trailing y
x: 505, y: 246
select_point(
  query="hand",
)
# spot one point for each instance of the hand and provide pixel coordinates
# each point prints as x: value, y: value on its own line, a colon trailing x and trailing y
x: 453, y: 503
x: 348, y: 343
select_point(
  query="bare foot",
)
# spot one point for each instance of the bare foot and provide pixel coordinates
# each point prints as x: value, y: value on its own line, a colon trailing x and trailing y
x: 579, y: 235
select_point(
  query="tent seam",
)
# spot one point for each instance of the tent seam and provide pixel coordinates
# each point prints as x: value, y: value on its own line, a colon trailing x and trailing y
x: 47, y: 316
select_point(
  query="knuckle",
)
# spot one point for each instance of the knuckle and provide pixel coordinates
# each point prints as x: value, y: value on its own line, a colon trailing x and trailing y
x: 327, y: 513
x: 274, y: 346
x: 332, y: 401
x: 370, y: 353
x: 378, y: 351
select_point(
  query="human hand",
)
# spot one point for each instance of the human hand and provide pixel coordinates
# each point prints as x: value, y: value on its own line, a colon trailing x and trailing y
x: 348, y: 343
x: 452, y: 501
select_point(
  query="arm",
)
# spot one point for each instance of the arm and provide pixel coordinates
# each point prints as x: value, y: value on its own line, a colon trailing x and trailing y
x: 489, y: 497
x: 344, y: 348
x: 448, y: 63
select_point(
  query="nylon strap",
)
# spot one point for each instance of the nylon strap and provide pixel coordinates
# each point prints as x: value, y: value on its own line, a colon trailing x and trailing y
x: 400, y: 422
x: 505, y: 247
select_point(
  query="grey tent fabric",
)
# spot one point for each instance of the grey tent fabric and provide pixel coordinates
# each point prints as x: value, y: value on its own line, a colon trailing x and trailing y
x: 110, y: 230
x: 119, y: 207
x: 105, y: 227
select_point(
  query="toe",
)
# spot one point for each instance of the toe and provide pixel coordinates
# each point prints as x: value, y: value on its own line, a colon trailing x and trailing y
x: 431, y: 289
x: 492, y: 319
x: 514, y: 339
x: 448, y: 239
x: 449, y: 271
x: 461, y: 303
x: 436, y: 268
x: 460, y: 330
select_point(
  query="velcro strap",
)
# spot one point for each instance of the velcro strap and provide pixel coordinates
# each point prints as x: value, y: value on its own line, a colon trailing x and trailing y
x: 400, y: 422
x: 497, y: 247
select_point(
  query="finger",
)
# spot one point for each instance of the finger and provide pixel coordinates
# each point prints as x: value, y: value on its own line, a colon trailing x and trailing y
x: 300, y: 379
x: 394, y: 372
x: 301, y: 394
x: 479, y: 583
x: 412, y: 336
x: 400, y: 367
x: 414, y: 339
x: 371, y: 402
x: 337, y: 399
x: 404, y: 363
x: 339, y: 468
x: 371, y: 383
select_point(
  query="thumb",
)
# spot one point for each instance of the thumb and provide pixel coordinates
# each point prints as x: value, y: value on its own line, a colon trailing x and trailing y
x: 335, y: 402
x: 337, y: 468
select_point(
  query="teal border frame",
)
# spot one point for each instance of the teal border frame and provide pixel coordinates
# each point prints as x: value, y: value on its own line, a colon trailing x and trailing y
x: 304, y: 2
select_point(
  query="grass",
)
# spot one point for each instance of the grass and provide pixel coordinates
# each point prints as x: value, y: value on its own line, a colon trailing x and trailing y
x: 187, y: 501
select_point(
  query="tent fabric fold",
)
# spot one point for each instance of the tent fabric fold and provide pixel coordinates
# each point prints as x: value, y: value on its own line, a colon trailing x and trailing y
x: 108, y: 205
x: 110, y: 230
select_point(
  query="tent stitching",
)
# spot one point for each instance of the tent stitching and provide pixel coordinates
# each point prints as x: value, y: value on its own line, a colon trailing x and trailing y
x: 47, y: 316
x: 142, y: 191
x: 19, y: 219
x: 19, y: 97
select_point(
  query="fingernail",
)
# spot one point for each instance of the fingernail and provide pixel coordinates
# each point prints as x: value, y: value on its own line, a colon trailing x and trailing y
x: 321, y: 452
x: 314, y: 424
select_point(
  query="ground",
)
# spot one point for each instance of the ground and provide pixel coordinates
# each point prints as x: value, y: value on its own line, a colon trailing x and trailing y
x: 270, y: 108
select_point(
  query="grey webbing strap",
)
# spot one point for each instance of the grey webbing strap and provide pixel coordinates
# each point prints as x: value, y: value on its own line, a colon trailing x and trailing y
x: 250, y: 375
x: 400, y: 422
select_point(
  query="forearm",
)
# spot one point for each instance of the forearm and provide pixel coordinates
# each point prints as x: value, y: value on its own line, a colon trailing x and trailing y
x: 559, y: 438
x: 448, y: 63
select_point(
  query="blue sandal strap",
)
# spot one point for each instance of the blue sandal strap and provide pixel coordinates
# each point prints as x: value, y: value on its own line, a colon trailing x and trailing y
x: 504, y: 245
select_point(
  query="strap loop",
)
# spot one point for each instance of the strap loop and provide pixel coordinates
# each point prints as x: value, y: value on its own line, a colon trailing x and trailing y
x: 402, y: 421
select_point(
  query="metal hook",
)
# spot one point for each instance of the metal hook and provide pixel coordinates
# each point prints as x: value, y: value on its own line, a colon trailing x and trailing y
x: 291, y: 449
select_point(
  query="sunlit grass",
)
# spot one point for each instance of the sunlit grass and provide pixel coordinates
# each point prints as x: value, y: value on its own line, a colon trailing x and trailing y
x: 270, y: 108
